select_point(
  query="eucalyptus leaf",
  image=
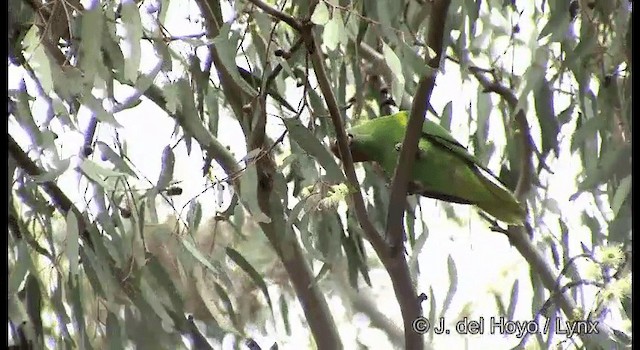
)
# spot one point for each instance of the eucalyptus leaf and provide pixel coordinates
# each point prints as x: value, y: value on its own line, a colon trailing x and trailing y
x: 310, y: 144
x: 72, y: 242
x: 133, y: 29
x: 255, y: 275
x: 453, y: 285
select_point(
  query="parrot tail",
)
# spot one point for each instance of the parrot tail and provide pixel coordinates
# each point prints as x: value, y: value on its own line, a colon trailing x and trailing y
x: 501, y: 204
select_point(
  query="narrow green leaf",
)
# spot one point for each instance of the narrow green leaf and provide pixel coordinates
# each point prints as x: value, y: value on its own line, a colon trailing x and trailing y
x: 412, y: 60
x: 133, y: 34
x: 284, y: 310
x: 432, y: 311
x: 226, y: 45
x: 248, y: 193
x: 74, y: 298
x: 453, y: 285
x: 72, y: 242
x: 533, y: 77
x: 586, y: 131
x: 19, y: 269
x: 102, y: 282
x: 195, y: 252
x: 511, y: 309
x: 113, y: 56
x: 621, y: 194
x: 255, y: 276
x: 166, y: 171
x: 164, y: 280
x: 61, y: 315
x: 95, y: 105
x: 33, y: 302
x: 447, y: 114
x: 38, y: 59
x: 96, y: 172
x: 109, y: 154
x: 194, y: 215
x: 310, y: 144
x: 211, y: 102
x: 557, y: 26
x: 417, y: 248
x: 150, y: 296
x: 397, y: 85
x: 549, y: 127
x: 91, y: 29
x: 307, y: 238
x: 227, y: 302
x: 502, y: 310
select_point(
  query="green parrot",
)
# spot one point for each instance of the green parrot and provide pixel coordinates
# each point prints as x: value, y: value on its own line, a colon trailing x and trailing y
x: 443, y: 169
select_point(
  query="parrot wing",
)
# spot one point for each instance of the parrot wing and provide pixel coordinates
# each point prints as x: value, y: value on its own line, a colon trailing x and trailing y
x: 440, y: 137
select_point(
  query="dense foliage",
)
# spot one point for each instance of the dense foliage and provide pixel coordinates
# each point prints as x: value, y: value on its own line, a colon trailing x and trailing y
x: 272, y: 229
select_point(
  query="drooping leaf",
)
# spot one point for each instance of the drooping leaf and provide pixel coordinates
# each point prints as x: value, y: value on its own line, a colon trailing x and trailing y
x: 557, y: 25
x: 453, y: 285
x: 38, y: 59
x: 109, y: 154
x: 72, y: 242
x: 19, y: 269
x: 91, y: 29
x: 549, y: 127
x: 621, y: 194
x: 255, y: 276
x: 228, y: 305
x: 284, y: 310
x: 167, y: 168
x: 447, y: 114
x: 248, y: 193
x: 226, y: 43
x: 133, y: 29
x: 394, y: 63
x: 310, y: 144
x: 96, y: 172
x: 513, y: 299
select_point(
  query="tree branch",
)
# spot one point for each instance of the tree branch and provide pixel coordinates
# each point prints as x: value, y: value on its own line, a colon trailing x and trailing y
x: 294, y: 23
x: 396, y: 266
x: 312, y: 300
x: 59, y: 199
x: 518, y: 235
x: 236, y: 96
x: 395, y: 214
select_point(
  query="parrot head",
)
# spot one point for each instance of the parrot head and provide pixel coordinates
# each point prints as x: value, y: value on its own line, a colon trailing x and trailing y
x: 369, y: 141
x: 357, y: 152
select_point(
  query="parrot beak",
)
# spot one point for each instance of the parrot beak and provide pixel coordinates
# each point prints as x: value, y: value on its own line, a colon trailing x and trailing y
x: 355, y: 155
x: 336, y: 149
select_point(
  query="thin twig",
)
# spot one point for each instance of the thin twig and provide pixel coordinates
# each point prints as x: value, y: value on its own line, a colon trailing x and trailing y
x: 294, y: 23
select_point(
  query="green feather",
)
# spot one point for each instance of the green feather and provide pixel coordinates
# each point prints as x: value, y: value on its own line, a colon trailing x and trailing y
x: 444, y: 169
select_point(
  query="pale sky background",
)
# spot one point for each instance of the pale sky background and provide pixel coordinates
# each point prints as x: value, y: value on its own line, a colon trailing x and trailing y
x: 484, y: 260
